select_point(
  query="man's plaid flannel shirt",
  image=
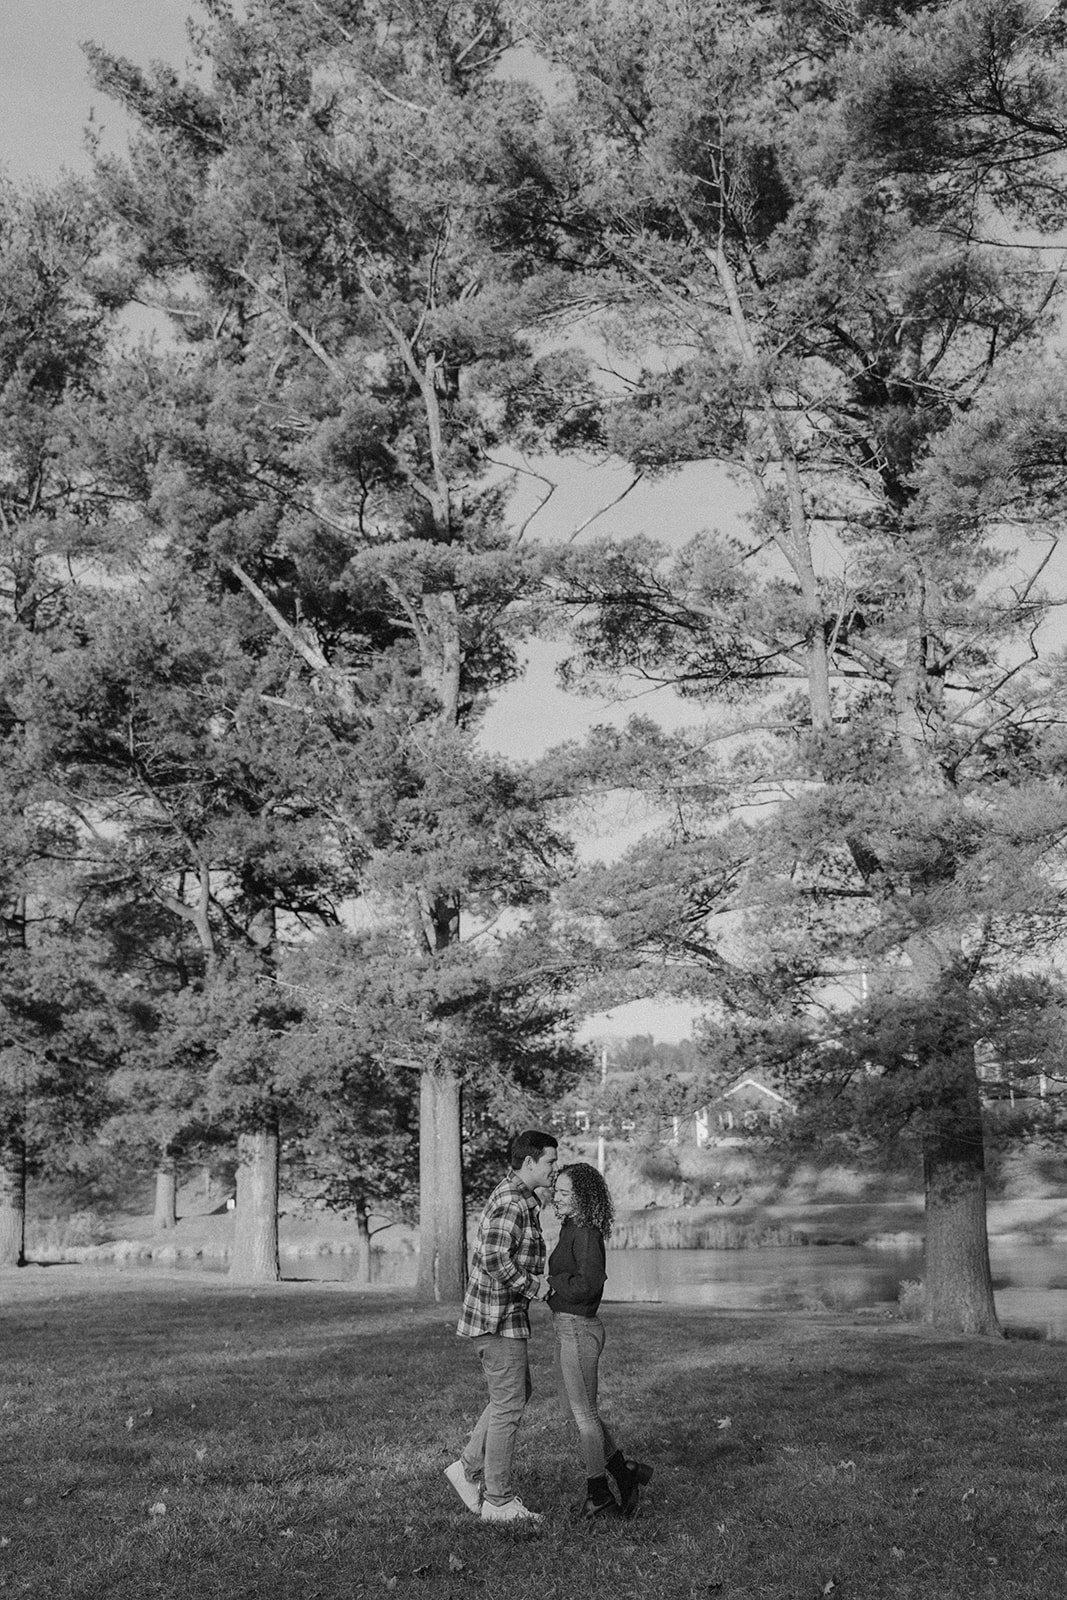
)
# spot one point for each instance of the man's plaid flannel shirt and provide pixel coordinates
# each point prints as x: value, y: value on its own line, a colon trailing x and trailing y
x: 509, y: 1254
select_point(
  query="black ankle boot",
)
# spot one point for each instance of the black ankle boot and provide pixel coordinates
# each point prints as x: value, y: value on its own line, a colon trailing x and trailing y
x: 604, y: 1507
x: 629, y: 1477
x: 599, y: 1500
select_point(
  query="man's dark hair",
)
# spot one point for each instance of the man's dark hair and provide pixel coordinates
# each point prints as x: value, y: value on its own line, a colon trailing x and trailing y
x: 529, y: 1143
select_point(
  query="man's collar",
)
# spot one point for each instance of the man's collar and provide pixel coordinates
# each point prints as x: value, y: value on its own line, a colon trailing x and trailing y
x: 521, y: 1183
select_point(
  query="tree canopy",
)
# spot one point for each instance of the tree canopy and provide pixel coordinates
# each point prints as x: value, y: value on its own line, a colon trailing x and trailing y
x: 266, y: 572
x: 818, y: 231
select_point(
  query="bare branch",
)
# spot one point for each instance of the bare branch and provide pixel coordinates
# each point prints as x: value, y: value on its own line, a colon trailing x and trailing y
x: 630, y: 487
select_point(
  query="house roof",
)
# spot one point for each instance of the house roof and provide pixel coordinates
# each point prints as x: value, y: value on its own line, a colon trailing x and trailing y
x: 748, y: 1082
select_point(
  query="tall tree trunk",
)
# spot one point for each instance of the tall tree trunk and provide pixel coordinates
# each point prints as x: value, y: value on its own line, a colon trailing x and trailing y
x: 13, y: 1204
x: 442, y: 1236
x: 255, y: 1239
x: 363, y: 1244
x: 13, y: 1149
x: 957, y: 1282
x: 442, y: 1220
x: 165, y: 1215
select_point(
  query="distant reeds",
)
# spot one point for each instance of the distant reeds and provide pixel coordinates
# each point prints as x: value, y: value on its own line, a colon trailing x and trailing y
x: 646, y: 1231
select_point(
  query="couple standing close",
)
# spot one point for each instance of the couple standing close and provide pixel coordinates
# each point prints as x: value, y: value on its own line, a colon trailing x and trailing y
x: 507, y: 1273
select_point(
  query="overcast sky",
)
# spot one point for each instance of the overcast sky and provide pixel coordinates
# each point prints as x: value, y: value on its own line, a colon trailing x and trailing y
x: 45, y: 94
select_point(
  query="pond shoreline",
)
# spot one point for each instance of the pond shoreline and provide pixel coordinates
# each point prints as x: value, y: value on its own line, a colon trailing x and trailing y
x: 890, y: 1225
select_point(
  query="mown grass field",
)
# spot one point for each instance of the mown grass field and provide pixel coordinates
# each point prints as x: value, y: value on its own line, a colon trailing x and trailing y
x: 176, y: 1436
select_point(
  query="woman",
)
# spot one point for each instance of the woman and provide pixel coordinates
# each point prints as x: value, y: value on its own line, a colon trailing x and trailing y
x: 576, y: 1276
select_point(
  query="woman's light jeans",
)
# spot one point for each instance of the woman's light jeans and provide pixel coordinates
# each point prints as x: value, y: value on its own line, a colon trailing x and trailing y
x: 579, y: 1341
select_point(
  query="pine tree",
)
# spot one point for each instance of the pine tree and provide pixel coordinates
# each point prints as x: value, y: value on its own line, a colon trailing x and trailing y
x: 311, y: 210
x: 204, y: 847
x: 808, y: 221
x: 52, y: 331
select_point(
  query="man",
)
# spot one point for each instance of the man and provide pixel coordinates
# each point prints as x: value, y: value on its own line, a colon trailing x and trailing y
x: 507, y: 1273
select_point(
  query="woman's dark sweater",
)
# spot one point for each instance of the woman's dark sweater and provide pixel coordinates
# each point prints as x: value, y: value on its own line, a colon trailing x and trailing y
x: 577, y: 1271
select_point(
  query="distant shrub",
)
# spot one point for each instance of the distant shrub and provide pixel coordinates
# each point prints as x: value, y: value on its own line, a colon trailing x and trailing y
x: 729, y: 1173
x: 1017, y: 1330
x: 831, y: 1297
x: 644, y: 1177
x: 59, y: 1233
x: 910, y: 1299
x: 1024, y: 1168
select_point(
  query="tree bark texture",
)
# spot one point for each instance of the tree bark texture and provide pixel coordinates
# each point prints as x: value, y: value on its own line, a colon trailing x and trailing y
x: 165, y: 1215
x: 957, y: 1282
x: 442, y: 1236
x: 12, y: 1206
x: 255, y: 1239
x: 363, y: 1242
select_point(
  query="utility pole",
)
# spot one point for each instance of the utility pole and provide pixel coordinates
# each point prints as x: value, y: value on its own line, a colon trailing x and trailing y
x: 601, y: 1151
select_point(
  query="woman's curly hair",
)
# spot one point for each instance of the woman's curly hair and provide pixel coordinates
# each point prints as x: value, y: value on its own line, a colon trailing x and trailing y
x: 593, y: 1205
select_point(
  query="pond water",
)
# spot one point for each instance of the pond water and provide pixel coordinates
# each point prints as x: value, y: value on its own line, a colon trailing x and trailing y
x: 1030, y: 1281
x: 767, y: 1278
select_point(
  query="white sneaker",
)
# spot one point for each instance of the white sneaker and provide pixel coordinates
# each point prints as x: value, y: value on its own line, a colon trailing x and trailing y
x: 470, y: 1493
x: 510, y: 1511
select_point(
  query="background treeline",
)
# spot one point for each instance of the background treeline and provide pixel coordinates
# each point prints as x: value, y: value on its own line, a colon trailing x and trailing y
x: 264, y: 573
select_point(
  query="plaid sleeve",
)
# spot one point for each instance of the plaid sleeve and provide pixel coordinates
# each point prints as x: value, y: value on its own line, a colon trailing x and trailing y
x: 508, y: 1256
x: 503, y: 1256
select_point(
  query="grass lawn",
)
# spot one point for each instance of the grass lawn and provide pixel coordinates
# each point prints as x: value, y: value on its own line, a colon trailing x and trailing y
x: 171, y: 1435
